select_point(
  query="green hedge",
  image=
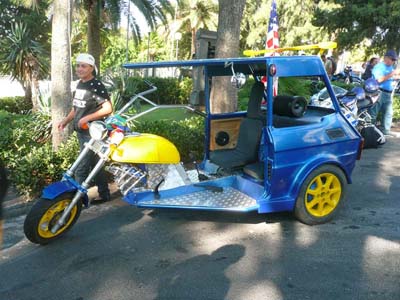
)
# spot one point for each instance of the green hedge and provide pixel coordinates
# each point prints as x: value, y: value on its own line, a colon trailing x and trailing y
x: 169, y: 90
x: 26, y: 150
x: 17, y: 105
x: 42, y: 166
x: 187, y: 135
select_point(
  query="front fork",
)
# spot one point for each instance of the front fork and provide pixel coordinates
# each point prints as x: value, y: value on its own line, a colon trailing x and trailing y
x: 82, y: 189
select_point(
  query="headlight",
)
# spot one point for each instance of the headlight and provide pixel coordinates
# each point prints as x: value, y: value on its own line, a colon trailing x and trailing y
x: 98, y: 130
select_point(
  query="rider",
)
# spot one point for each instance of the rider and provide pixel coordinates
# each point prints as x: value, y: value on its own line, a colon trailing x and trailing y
x: 90, y: 102
x: 384, y: 72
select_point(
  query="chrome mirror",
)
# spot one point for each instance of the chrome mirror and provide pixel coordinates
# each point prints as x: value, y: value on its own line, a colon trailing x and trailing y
x: 238, y: 80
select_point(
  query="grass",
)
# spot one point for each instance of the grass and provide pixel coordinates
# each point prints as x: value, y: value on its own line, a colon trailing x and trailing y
x: 165, y: 114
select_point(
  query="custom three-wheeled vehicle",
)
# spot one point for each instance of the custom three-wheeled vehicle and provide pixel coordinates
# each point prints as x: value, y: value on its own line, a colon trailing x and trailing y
x: 280, y: 154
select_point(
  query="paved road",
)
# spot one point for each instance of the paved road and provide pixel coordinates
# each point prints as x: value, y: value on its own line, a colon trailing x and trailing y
x: 120, y: 252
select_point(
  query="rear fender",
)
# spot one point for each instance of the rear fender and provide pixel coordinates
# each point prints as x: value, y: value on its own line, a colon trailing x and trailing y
x: 307, y: 169
x: 54, y: 190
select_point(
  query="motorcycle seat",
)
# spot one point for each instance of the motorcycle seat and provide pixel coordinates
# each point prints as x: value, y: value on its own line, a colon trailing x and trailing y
x: 364, y: 104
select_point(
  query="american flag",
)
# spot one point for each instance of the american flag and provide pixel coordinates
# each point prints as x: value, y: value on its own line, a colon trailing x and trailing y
x: 272, y: 41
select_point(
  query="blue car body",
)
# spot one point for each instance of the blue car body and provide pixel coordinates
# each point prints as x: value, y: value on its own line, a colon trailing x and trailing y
x: 289, y: 153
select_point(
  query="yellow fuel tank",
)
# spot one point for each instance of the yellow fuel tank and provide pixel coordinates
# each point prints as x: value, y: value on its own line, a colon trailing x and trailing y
x: 146, y: 149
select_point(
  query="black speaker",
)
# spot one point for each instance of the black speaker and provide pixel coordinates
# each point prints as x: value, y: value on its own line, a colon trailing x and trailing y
x: 222, y: 138
x: 290, y: 106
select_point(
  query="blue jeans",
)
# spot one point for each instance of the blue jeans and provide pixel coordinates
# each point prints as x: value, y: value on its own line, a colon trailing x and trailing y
x: 385, y: 106
x: 86, y: 165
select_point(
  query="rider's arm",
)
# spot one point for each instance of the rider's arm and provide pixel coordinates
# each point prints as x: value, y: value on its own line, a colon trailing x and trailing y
x: 105, y: 110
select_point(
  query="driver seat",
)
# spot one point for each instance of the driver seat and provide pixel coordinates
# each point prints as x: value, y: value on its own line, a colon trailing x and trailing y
x: 246, y: 150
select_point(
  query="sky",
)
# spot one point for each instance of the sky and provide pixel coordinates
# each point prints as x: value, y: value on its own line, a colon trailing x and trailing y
x: 138, y: 16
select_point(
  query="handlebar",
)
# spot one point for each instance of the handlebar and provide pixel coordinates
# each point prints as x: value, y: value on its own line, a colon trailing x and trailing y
x: 152, y: 89
x: 141, y: 95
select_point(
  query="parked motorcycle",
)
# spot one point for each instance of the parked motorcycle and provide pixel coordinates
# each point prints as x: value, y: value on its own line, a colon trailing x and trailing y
x: 355, y: 105
x: 347, y: 77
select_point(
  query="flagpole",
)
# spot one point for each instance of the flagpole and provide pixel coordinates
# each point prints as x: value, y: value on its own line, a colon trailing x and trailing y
x: 272, y: 39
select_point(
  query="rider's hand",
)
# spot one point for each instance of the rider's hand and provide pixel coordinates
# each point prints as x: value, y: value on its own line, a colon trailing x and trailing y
x: 61, y: 125
x: 83, y: 124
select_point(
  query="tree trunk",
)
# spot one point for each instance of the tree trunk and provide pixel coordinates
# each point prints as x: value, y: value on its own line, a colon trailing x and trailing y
x: 27, y: 87
x: 61, y: 98
x: 223, y: 95
x: 35, y: 91
x: 193, y: 44
x: 93, y: 33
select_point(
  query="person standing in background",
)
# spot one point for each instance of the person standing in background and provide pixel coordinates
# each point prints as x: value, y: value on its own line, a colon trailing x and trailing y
x: 368, y: 69
x: 384, y: 73
x: 328, y: 65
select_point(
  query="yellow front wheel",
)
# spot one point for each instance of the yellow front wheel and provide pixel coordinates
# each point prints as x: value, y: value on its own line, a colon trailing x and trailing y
x: 320, y: 195
x: 44, y: 214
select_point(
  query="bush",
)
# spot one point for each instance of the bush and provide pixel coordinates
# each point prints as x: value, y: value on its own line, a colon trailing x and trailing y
x: 16, y: 105
x: 20, y: 133
x: 187, y: 135
x: 25, y: 147
x: 42, y: 166
x: 169, y: 90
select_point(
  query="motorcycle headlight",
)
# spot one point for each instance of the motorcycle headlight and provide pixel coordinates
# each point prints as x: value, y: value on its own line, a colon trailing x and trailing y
x: 97, y: 130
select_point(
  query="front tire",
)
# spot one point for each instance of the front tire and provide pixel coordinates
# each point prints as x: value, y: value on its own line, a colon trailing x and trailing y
x: 321, y: 195
x: 44, y: 214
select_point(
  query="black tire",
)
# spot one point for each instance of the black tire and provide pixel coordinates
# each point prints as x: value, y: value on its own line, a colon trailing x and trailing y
x: 45, y: 213
x: 321, y: 195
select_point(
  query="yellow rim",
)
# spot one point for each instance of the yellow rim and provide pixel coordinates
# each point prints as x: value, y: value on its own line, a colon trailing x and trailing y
x: 323, y: 194
x: 51, y: 217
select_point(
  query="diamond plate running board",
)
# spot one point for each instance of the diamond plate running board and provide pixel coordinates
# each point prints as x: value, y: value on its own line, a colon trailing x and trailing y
x: 229, y: 199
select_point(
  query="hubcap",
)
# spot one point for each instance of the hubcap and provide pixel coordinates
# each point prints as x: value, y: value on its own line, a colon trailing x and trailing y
x: 323, y: 194
x: 52, y: 215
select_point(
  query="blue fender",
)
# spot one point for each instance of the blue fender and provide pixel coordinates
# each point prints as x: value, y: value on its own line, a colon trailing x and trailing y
x: 54, y: 190
x: 310, y: 167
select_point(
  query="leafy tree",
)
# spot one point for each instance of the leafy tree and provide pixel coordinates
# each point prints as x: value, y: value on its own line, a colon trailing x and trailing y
x: 195, y: 14
x: 25, y: 59
x: 355, y: 22
x: 295, y: 24
x: 103, y: 13
x: 32, y: 13
x: 24, y: 45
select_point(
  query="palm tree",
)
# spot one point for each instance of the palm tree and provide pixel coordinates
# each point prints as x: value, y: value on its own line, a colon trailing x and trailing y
x: 101, y: 13
x: 25, y: 60
x: 196, y: 14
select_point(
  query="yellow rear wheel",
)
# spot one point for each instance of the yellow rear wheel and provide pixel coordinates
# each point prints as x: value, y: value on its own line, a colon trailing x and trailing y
x: 320, y: 195
x: 45, y: 214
